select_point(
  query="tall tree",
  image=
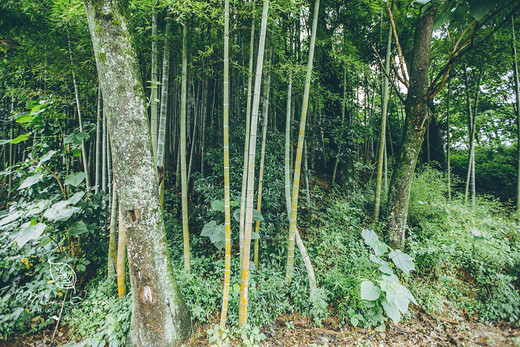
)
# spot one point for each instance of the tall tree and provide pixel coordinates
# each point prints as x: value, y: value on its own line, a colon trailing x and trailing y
x: 159, y: 316
x: 415, y: 126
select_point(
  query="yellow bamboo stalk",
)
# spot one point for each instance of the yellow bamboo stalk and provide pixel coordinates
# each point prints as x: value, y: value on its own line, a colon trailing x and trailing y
x: 227, y: 209
x: 112, y: 254
x: 299, y: 151
x: 121, y: 258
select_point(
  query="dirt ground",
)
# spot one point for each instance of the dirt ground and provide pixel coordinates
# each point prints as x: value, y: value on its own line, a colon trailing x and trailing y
x: 421, y: 329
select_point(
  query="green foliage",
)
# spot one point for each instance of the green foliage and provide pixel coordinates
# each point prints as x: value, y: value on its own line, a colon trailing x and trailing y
x: 101, y: 318
x: 396, y: 297
x: 269, y: 295
x: 495, y: 170
x: 43, y: 265
x: 468, y: 258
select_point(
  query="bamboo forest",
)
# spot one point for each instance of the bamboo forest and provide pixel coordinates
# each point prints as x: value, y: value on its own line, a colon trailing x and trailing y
x: 259, y: 173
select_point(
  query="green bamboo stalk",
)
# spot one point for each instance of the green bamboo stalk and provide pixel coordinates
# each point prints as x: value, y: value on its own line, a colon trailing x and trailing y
x: 98, y: 142
x: 343, y: 111
x: 287, y: 158
x: 184, y: 181
x: 227, y: 203
x: 154, y: 84
x: 299, y: 151
x: 244, y: 273
x: 382, y: 136
x: 246, y: 139
x: 265, y: 114
x: 448, y: 135
x: 161, y: 137
x: 517, y: 94
x: 78, y: 108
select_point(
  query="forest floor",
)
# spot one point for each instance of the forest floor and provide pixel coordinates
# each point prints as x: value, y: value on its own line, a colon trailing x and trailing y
x: 421, y: 329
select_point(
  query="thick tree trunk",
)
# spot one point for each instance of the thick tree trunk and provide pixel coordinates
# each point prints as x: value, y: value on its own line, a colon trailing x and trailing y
x: 436, y: 144
x: 415, y: 126
x: 159, y: 316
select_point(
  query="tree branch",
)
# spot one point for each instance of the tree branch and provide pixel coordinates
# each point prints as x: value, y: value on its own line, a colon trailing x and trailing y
x: 387, y: 74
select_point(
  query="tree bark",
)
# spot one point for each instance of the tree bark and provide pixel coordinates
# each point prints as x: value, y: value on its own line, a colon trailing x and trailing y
x: 415, y: 126
x: 159, y: 316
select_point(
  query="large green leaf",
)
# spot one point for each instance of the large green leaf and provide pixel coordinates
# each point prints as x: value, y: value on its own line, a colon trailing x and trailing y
x: 46, y: 157
x: 207, y: 230
x: 60, y: 211
x: 384, y: 267
x: 257, y: 215
x: 392, y: 311
x: 29, y: 231
x: 216, y: 233
x: 75, y: 179
x: 30, y: 181
x: 76, y: 137
x: 403, y: 261
x: 26, y: 118
x: 369, y: 291
x: 369, y: 235
x: 20, y: 138
x: 10, y: 218
x: 78, y: 228
x: 441, y: 19
x: 218, y: 205
x: 73, y: 200
x: 478, y: 9
x: 236, y: 215
x: 37, y: 208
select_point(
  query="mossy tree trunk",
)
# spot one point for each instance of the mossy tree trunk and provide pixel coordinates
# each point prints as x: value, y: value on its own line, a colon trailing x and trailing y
x: 159, y: 316
x: 415, y: 126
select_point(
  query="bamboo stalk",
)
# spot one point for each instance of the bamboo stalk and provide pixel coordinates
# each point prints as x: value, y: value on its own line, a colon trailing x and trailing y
x: 265, y: 113
x: 244, y: 273
x: 112, y: 254
x: 382, y: 136
x: 246, y: 140
x: 299, y: 151
x: 227, y: 203
x: 184, y: 181
x: 121, y: 257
